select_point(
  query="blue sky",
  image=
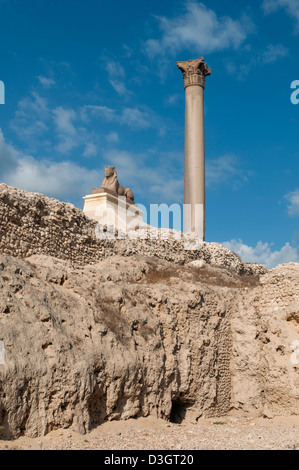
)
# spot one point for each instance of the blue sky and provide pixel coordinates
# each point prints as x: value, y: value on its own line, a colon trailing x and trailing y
x: 94, y: 83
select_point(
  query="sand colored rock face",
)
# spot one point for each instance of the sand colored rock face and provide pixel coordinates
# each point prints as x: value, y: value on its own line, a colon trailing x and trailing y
x: 136, y: 337
x: 133, y: 334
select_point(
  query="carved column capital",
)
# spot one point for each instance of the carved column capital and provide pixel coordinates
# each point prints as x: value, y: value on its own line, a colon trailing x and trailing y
x: 194, y: 71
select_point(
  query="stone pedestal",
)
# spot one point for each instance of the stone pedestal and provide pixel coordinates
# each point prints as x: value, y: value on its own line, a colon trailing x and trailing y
x: 108, y: 209
x: 194, y: 73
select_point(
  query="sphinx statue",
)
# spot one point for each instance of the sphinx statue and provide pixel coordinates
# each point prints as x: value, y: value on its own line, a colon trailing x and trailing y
x: 111, y: 185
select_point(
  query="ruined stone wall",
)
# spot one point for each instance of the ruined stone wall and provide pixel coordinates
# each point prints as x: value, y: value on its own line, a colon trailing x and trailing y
x: 265, y: 334
x: 32, y: 223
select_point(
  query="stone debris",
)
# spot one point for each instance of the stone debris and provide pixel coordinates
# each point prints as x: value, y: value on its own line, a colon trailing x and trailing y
x: 155, y: 435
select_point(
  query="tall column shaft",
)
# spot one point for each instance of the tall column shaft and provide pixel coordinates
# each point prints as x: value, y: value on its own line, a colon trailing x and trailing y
x: 194, y: 178
x: 194, y: 73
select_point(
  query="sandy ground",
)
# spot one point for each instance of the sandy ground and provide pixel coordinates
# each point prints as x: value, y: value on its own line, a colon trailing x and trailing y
x: 152, y: 434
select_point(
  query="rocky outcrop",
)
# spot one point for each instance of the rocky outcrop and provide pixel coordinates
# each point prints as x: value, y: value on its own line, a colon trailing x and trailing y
x: 133, y: 333
x: 265, y: 338
x: 139, y: 336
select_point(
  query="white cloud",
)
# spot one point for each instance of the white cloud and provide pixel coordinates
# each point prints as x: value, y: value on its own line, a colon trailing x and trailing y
x: 290, y: 6
x: 119, y: 87
x: 128, y: 51
x: 112, y: 137
x: 63, y: 119
x: 68, y: 181
x: 132, y: 117
x: 64, y: 180
x: 41, y: 127
x: 169, y: 190
x: 98, y: 111
x: 90, y: 150
x: 66, y: 131
x: 70, y: 135
x: 45, y: 81
x: 8, y: 157
x: 226, y: 169
x: 262, y: 253
x: 31, y: 118
x: 199, y: 29
x: 273, y: 53
x: 293, y: 199
x: 116, y: 75
x: 114, y: 69
x: 37, y: 105
x: 173, y: 100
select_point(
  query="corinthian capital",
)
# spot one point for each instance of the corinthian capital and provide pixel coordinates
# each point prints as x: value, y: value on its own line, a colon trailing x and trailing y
x: 194, y: 71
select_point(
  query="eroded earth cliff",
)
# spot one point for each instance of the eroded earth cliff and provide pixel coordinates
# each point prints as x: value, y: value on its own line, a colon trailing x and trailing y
x: 99, y: 330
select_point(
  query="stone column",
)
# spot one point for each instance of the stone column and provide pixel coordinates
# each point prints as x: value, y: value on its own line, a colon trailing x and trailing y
x: 194, y: 73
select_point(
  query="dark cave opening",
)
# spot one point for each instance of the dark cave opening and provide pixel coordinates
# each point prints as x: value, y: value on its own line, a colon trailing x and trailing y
x: 178, y: 411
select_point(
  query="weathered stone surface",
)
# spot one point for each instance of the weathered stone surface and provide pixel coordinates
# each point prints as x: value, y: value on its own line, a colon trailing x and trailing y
x: 134, y: 333
x: 194, y: 73
x: 139, y: 336
x: 32, y: 223
x: 111, y: 183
